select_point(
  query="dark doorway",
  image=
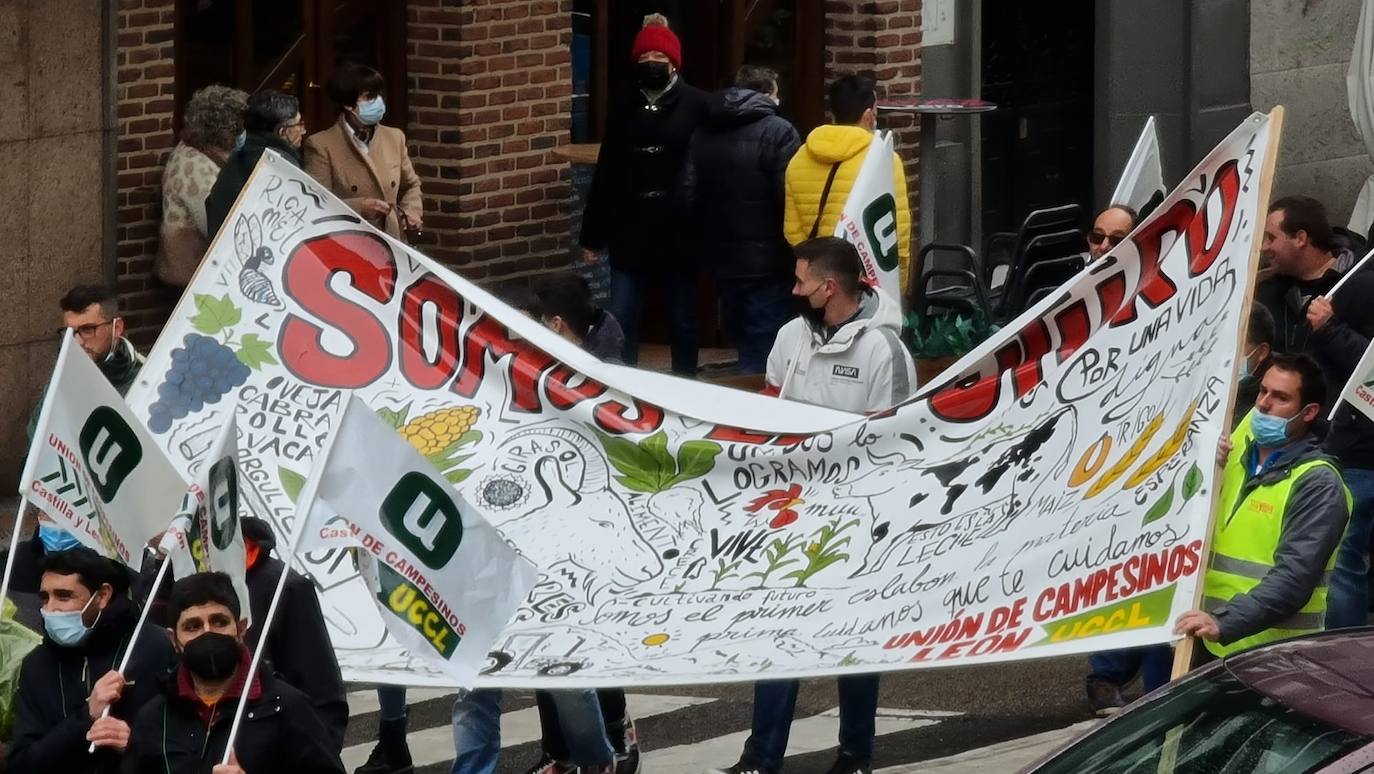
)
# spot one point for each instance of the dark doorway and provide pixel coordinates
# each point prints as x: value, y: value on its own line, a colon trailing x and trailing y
x: 1038, y: 144
x: 291, y: 46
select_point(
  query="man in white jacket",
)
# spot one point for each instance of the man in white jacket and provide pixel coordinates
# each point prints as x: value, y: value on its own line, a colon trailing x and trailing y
x: 842, y: 352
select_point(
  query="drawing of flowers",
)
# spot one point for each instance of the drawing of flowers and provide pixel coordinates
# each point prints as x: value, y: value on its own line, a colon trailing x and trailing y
x: 782, y: 501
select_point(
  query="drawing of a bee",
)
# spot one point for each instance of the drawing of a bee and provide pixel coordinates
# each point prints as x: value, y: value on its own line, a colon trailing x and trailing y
x: 253, y: 253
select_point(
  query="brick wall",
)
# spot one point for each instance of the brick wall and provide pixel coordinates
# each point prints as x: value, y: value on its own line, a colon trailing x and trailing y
x: 490, y: 98
x: 883, y: 36
x: 144, y: 91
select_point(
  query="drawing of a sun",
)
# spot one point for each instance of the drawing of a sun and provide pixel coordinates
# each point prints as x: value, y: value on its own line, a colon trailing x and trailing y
x: 654, y: 640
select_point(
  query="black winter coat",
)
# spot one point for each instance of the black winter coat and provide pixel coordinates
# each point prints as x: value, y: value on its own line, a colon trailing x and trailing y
x: 631, y: 210
x: 298, y: 645
x: 281, y: 734
x: 233, y: 176
x: 54, y: 682
x: 732, y: 186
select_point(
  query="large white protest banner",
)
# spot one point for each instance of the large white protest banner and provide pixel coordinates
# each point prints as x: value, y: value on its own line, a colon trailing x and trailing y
x: 443, y: 578
x: 869, y: 218
x: 1141, y: 186
x: 93, y: 467
x: 1048, y: 495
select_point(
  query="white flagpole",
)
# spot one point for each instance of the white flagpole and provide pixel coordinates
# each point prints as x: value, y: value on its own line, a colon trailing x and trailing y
x: 14, y: 547
x: 302, y: 516
x: 138, y: 627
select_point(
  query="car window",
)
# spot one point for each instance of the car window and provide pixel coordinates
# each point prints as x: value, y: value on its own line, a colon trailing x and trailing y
x: 1211, y: 724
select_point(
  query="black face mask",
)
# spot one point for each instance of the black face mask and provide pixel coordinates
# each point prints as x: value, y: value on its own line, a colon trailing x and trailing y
x: 652, y: 76
x: 814, y: 316
x: 212, y: 656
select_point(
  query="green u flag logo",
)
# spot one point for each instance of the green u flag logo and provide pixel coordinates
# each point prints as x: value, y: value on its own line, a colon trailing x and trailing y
x: 880, y: 226
x: 110, y: 449
x: 421, y: 514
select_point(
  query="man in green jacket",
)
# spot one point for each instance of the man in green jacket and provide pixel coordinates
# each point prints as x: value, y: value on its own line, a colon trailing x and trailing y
x: 1282, y: 512
x: 91, y: 314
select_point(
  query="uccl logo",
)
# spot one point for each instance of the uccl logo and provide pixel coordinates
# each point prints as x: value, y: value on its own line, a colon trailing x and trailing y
x: 110, y: 449
x: 421, y: 514
x: 880, y: 225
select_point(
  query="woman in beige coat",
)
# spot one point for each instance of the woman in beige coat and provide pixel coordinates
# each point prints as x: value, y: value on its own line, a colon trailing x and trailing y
x: 363, y: 162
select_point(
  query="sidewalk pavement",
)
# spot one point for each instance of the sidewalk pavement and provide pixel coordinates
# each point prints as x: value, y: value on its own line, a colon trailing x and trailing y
x: 1008, y: 756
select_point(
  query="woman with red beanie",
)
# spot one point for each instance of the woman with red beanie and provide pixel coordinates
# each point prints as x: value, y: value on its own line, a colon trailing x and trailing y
x: 631, y: 211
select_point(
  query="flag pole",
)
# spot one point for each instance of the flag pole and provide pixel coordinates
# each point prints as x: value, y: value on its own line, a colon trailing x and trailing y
x: 302, y: 516
x: 1350, y: 273
x: 14, y: 547
x: 1183, y: 654
x: 138, y: 627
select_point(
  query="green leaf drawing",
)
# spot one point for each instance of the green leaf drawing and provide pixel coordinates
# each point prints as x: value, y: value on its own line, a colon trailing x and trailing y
x: 824, y: 551
x: 396, y: 419
x: 254, y: 352
x: 665, y: 467
x: 1192, y: 482
x: 634, y: 463
x: 1161, y: 507
x: 458, y: 476
x: 775, y: 555
x: 291, y: 482
x: 695, y: 459
x: 214, y: 315
x: 448, y: 456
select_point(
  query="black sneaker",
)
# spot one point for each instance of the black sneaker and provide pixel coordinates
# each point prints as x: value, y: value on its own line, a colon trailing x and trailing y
x: 740, y: 768
x: 851, y: 764
x: 548, y: 765
x: 391, y: 755
x: 1105, y: 697
x: 625, y: 741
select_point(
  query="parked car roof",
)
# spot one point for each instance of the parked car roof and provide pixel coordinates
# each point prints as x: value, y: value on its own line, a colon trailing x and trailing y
x: 1329, y: 677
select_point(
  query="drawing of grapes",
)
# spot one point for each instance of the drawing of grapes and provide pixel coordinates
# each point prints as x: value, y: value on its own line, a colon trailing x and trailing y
x: 208, y: 364
x: 440, y: 435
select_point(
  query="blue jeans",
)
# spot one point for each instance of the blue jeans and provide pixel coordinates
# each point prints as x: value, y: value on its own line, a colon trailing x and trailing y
x: 774, y: 703
x: 754, y: 311
x: 477, y: 732
x: 391, y: 700
x: 580, y: 737
x: 1154, y: 663
x: 627, y: 304
x: 1347, y: 601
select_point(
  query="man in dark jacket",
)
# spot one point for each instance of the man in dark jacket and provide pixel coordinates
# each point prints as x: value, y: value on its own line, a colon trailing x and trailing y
x: 67, y: 682
x: 630, y: 210
x: 1335, y: 331
x: 185, y: 729
x: 272, y: 120
x: 298, y: 645
x: 732, y: 186
x: 563, y: 303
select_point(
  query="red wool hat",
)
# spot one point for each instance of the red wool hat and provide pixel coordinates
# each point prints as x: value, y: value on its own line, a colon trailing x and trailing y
x: 657, y: 37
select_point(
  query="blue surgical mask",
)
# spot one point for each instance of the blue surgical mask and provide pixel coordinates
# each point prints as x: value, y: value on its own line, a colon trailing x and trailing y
x: 1269, y: 430
x: 55, y: 540
x: 67, y: 628
x: 371, y: 111
x: 240, y: 140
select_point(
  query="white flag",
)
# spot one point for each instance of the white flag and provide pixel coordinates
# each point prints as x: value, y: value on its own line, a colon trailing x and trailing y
x: 869, y: 218
x: 92, y: 466
x: 1142, y: 181
x: 176, y: 541
x: 445, y: 580
x: 1359, y: 391
x: 220, y: 535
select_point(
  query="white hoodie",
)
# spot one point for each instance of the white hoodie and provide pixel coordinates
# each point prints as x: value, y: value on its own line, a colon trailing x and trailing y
x: 863, y: 367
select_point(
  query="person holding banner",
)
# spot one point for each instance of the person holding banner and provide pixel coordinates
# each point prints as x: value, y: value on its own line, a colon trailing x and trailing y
x: 186, y: 728
x: 630, y: 214
x: 1335, y: 329
x: 1110, y: 228
x: 822, y: 174
x: 843, y: 354
x: 66, y: 684
x: 1280, y: 517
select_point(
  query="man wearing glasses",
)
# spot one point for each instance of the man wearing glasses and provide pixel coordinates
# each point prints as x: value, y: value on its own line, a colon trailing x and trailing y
x: 91, y: 314
x: 1110, y: 228
x: 272, y: 121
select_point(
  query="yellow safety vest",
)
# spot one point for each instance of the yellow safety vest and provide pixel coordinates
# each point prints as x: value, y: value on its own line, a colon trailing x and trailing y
x: 1249, y: 522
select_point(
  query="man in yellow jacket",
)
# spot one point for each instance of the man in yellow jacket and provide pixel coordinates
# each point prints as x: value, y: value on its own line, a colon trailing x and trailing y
x: 821, y: 175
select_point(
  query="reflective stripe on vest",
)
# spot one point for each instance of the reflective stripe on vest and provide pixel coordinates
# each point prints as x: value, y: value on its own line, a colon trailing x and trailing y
x: 1249, y: 524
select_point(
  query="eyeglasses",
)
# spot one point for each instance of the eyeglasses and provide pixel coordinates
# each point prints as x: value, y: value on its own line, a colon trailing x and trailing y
x: 1096, y: 237
x: 292, y: 125
x: 84, y: 332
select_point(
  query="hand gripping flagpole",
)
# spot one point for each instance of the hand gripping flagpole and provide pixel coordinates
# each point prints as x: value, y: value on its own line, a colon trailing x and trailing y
x: 138, y: 627
x: 302, y: 516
